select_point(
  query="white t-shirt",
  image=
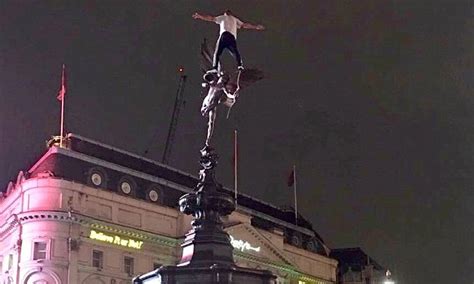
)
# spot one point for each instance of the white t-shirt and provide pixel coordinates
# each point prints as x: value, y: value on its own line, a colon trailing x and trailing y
x: 228, y: 23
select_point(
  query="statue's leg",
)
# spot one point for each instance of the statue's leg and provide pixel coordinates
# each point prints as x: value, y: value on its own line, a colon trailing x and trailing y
x: 205, y: 106
x: 208, y: 106
x: 210, y: 126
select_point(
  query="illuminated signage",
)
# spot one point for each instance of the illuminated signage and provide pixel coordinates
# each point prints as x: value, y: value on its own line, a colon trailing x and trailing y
x: 116, y: 240
x: 242, y: 245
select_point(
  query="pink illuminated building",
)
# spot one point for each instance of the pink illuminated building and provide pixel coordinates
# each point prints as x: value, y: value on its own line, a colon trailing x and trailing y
x: 90, y: 213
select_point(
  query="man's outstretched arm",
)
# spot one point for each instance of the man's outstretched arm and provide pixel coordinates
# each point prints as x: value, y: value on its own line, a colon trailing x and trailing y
x: 252, y: 27
x: 208, y: 18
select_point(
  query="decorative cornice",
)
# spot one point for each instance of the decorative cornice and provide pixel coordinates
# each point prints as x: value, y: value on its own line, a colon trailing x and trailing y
x: 146, y: 236
x: 129, y: 154
x: 87, y: 158
x: 112, y: 166
x: 284, y: 268
x: 32, y: 216
x: 90, y: 222
x: 8, y: 226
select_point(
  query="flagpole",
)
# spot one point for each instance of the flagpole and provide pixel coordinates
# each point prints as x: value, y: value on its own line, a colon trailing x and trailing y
x: 235, y: 166
x: 294, y: 189
x: 62, y: 109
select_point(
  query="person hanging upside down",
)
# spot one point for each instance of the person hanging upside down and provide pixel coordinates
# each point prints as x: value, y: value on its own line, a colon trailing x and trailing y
x: 228, y: 34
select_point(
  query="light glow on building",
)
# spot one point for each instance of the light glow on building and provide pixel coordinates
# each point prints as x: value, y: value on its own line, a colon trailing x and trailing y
x: 116, y: 240
x: 104, y: 236
x: 242, y: 245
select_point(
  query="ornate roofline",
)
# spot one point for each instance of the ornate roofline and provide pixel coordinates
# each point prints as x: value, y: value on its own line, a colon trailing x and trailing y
x: 103, y: 163
x: 286, y: 268
x: 90, y: 222
x: 162, y: 181
x: 72, y: 135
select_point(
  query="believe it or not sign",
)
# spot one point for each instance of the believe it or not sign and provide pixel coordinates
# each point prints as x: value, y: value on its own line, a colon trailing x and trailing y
x: 116, y: 240
x: 242, y: 245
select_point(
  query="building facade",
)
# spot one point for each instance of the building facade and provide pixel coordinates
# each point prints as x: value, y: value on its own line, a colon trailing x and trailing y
x: 356, y: 267
x: 91, y: 213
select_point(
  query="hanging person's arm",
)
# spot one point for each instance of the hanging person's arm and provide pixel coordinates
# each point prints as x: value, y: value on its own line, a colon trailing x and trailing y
x: 207, y: 18
x: 233, y: 95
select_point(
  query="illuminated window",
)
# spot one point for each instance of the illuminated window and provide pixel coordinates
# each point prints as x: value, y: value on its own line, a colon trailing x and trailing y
x: 153, y: 195
x: 10, y: 262
x: 126, y: 187
x: 128, y: 264
x: 96, y: 179
x: 97, y: 259
x: 39, y: 250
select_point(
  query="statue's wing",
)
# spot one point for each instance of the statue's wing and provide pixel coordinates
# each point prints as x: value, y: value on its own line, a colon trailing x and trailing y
x: 206, y: 56
x: 250, y: 76
x: 247, y: 78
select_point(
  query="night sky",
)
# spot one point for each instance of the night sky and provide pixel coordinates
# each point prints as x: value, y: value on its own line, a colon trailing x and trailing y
x: 373, y: 101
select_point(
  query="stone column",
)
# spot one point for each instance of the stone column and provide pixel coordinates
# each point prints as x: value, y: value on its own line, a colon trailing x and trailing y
x: 207, y: 251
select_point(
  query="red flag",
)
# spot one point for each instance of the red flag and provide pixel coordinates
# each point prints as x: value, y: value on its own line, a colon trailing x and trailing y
x: 62, y: 91
x: 291, y: 178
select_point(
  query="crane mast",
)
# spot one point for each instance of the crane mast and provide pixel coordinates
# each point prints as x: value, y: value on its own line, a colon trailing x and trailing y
x: 178, y: 103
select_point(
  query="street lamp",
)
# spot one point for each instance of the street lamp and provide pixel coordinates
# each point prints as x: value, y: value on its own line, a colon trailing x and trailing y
x: 388, y: 279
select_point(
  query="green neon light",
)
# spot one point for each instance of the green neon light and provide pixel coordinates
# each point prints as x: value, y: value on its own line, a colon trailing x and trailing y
x: 146, y: 236
x: 285, y: 268
x: 116, y: 240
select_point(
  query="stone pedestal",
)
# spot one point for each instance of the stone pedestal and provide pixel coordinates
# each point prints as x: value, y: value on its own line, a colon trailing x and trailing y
x: 207, y: 251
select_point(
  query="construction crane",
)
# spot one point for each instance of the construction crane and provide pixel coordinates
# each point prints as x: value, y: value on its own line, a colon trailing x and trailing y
x: 178, y: 103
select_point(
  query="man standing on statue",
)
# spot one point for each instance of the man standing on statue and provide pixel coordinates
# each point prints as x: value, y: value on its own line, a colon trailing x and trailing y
x: 228, y: 34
